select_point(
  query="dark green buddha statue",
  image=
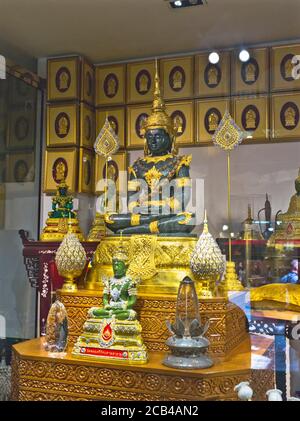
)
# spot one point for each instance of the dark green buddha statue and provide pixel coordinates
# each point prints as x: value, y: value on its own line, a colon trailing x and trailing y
x: 159, y: 184
x: 62, y: 203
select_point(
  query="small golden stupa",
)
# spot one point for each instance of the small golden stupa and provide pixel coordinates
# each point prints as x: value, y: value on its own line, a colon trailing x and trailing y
x: 207, y: 263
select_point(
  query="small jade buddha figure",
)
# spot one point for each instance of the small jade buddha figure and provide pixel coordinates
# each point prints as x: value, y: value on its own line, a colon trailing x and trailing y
x: 62, y: 203
x: 159, y: 183
x: 119, y: 294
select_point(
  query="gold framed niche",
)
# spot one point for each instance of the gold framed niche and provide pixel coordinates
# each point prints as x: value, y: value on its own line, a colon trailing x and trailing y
x: 285, y: 116
x: 135, y: 117
x: 212, y: 79
x: 110, y: 85
x: 182, y: 114
x: 64, y: 162
x: 117, y: 165
x: 281, y: 68
x: 62, y: 125
x: 208, y: 116
x: 87, y: 126
x: 63, y: 78
x: 20, y: 167
x: 116, y: 117
x: 177, y: 76
x: 87, y: 82
x: 252, y: 115
x: 86, y: 171
x: 251, y: 77
x: 21, y: 129
x: 140, y: 81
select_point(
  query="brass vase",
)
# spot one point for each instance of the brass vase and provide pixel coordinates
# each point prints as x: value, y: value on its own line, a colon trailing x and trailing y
x: 70, y: 261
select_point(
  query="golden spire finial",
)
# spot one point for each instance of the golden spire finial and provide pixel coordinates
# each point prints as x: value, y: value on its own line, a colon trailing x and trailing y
x: 158, y: 102
x: 205, y: 226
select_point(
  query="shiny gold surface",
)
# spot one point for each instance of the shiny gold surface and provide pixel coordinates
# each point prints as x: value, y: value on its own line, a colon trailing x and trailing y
x: 35, y: 376
x: 284, y: 296
x: 231, y: 281
x: 57, y: 228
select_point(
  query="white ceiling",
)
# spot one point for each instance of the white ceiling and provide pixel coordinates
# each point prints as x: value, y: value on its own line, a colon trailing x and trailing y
x: 112, y: 30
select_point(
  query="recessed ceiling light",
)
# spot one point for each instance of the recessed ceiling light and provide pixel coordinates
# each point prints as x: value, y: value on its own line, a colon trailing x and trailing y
x: 214, y: 57
x: 244, y: 55
x: 178, y: 4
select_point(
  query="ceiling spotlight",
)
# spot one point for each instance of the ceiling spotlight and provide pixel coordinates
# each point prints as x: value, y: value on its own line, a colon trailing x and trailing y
x: 214, y: 58
x: 244, y: 55
x: 178, y: 3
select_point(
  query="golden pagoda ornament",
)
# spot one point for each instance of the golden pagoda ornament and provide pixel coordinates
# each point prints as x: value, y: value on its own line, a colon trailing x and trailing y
x: 207, y: 263
x: 231, y: 281
x: 228, y: 136
x: 70, y: 261
x: 107, y: 143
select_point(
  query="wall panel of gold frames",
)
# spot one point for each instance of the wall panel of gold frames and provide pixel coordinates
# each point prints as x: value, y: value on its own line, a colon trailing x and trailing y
x: 136, y: 114
x: 87, y: 126
x: 20, y: 167
x: 212, y: 79
x: 252, y: 115
x: 208, y: 116
x: 140, y: 81
x: 116, y: 169
x: 252, y: 76
x: 62, y: 125
x: 86, y: 171
x: 282, y: 74
x: 63, y: 79
x: 177, y: 77
x: 61, y: 162
x: 286, y: 116
x: 116, y: 117
x: 182, y: 114
x: 110, y: 85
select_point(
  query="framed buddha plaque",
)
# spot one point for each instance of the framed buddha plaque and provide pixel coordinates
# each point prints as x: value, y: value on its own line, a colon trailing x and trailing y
x: 212, y: 79
x: 252, y: 76
x: 87, y: 126
x: 110, y: 85
x: 116, y: 171
x: 86, y: 171
x: 252, y: 116
x: 177, y: 77
x: 182, y: 114
x: 136, y: 116
x: 2, y: 168
x: 62, y: 124
x: 21, y: 129
x: 285, y: 75
x: 285, y: 116
x: 63, y: 79
x: 209, y: 113
x: 140, y: 81
x: 20, y: 167
x: 60, y: 163
x: 87, y: 82
x: 116, y: 117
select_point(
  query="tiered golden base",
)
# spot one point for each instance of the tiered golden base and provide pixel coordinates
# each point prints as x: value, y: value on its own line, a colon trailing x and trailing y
x: 227, y: 321
x: 36, y: 376
x: 57, y: 228
x: 98, y: 229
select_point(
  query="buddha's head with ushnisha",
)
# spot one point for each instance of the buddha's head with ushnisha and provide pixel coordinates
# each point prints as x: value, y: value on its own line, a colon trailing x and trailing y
x: 159, y: 129
x: 120, y: 262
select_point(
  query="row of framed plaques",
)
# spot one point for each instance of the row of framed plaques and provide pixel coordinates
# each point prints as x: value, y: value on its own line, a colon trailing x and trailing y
x: 81, y: 170
x: 70, y: 78
x: 268, y: 69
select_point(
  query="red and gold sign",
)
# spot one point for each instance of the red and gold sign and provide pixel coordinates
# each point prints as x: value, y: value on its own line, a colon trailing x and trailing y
x: 116, y: 118
x: 140, y: 81
x: 63, y: 79
x: 60, y: 163
x: 110, y: 85
x: 62, y: 125
x: 136, y: 116
x: 208, y: 116
x: 212, y: 79
x: 177, y: 76
x: 251, y: 76
x: 252, y: 116
x: 285, y: 116
x: 182, y: 114
x: 285, y: 73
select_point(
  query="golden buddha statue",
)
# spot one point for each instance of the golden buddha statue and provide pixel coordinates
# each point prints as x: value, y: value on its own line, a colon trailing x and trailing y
x: 213, y: 121
x: 111, y: 87
x: 212, y: 76
x: 143, y: 83
x: 251, y: 119
x: 177, y: 80
x: 178, y: 123
x: 290, y: 117
x: 63, y: 126
x: 63, y: 81
x: 250, y: 72
x: 155, y: 207
x: 288, y: 69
